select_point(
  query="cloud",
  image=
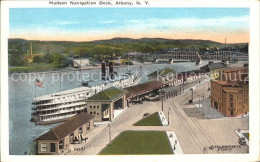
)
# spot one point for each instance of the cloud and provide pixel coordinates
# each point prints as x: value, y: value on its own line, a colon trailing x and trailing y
x: 108, y: 21
x: 65, y: 22
x: 182, y: 24
x: 154, y: 27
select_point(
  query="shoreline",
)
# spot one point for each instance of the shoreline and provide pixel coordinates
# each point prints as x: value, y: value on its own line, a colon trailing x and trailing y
x: 61, y: 70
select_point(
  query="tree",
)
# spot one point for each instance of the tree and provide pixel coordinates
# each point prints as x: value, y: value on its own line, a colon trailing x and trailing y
x: 47, y: 58
x: 58, y: 60
x: 16, y: 60
x: 38, y: 59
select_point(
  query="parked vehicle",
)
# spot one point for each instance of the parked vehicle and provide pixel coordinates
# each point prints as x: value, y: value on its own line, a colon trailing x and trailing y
x: 146, y: 114
x: 242, y: 141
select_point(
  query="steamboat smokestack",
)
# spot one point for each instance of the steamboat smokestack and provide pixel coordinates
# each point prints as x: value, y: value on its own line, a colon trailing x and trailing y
x: 111, y: 70
x: 103, y: 70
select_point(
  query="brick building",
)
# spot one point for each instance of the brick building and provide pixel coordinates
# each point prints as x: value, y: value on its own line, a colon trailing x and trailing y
x: 230, y: 96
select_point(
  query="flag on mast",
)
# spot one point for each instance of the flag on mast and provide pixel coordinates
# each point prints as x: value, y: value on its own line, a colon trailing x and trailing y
x: 39, y: 83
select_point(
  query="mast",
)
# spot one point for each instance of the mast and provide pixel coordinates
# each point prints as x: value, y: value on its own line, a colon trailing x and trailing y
x: 60, y: 83
x: 141, y: 71
x: 34, y: 90
x: 128, y: 63
x: 80, y: 69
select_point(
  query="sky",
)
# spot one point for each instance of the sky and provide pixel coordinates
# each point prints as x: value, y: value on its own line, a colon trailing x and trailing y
x: 87, y: 24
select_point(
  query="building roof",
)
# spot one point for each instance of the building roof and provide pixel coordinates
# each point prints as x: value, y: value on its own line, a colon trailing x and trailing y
x: 141, y: 88
x: 162, y: 72
x: 191, y: 72
x: 232, y: 90
x: 169, y: 89
x: 220, y: 82
x: 230, y: 83
x: 63, y: 130
x: 213, y: 66
x: 109, y: 94
x: 235, y: 69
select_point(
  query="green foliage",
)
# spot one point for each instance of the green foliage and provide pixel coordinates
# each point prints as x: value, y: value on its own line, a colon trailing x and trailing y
x: 57, y: 60
x: 16, y: 60
x: 137, y: 143
x: 47, y: 58
x: 100, y: 50
x: 38, y: 59
x: 33, y: 67
x: 152, y: 120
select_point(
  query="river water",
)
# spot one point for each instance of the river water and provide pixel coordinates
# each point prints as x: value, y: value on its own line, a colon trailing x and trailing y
x: 22, y: 132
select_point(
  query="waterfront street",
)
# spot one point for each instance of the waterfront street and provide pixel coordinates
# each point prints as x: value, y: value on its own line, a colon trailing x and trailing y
x: 195, y: 133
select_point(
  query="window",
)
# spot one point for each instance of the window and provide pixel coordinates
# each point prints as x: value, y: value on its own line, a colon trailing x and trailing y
x: 90, y: 106
x: 80, y: 130
x: 43, y: 146
x: 231, y: 98
x: 94, y: 106
x: 97, y: 113
x: 231, y: 105
x: 71, y: 137
x: 88, y: 125
x: 90, y: 112
x: 97, y: 107
x: 94, y: 112
x: 61, y: 144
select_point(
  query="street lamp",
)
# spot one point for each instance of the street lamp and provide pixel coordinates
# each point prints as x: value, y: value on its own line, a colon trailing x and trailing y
x: 169, y: 116
x: 161, y: 91
x: 191, y: 100
x: 199, y: 100
x: 208, y: 85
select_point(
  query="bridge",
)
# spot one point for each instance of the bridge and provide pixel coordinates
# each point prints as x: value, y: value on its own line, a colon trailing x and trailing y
x: 195, y: 56
x: 225, y: 55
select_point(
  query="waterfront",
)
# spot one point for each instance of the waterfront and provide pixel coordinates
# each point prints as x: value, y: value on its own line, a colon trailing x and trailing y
x: 22, y: 132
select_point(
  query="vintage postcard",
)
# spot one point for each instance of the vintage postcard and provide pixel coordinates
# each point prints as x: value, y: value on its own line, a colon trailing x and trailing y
x: 154, y: 80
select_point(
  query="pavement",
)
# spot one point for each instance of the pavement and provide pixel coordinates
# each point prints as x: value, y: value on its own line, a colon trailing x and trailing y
x: 163, y: 118
x: 204, y: 106
x: 176, y: 147
x: 195, y: 133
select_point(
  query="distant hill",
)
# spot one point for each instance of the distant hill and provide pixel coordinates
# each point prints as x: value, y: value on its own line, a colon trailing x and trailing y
x: 121, y: 44
x: 159, y: 40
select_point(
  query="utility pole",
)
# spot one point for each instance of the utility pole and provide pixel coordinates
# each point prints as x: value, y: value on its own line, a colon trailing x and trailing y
x: 60, y: 82
x: 169, y: 116
x: 109, y: 131
x: 199, y: 100
x: 162, y: 103
x: 191, y: 95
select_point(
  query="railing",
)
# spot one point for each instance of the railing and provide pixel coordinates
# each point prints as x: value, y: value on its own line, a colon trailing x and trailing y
x: 63, y: 111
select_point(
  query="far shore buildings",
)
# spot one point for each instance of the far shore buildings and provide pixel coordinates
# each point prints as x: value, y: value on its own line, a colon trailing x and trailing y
x: 61, y: 137
x: 230, y: 95
x: 171, y: 78
x: 103, y: 104
x: 214, y: 69
x: 80, y: 62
